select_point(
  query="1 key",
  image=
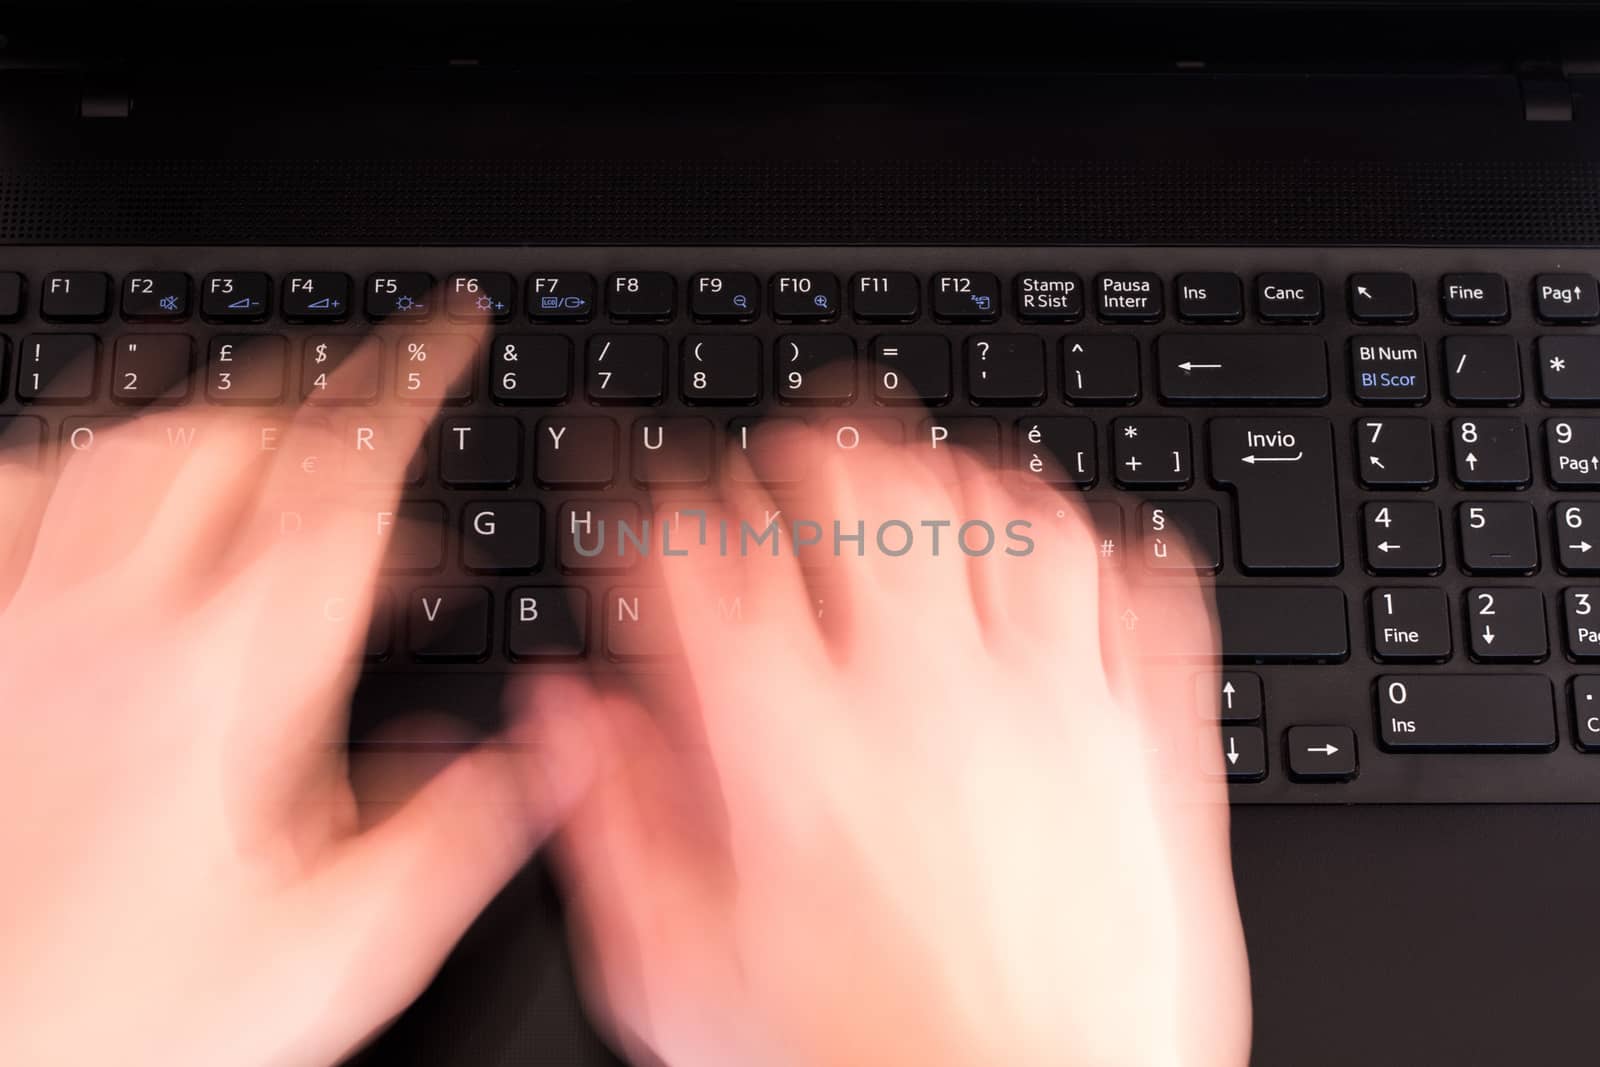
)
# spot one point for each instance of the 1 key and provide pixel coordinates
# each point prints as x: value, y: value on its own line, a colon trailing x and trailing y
x: 57, y: 367
x: 1410, y: 624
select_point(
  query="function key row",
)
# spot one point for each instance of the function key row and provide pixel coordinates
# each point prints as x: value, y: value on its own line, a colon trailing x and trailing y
x: 739, y: 296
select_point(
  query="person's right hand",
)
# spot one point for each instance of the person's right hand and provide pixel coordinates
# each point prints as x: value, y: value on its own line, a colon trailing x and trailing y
x: 963, y: 823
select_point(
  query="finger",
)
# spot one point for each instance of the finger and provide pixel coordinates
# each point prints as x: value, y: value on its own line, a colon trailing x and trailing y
x: 396, y: 898
x: 24, y: 491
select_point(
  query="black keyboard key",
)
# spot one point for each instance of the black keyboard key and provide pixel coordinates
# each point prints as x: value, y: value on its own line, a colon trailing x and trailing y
x: 1506, y: 625
x: 673, y: 452
x: 966, y: 297
x: 159, y: 296
x: 1105, y: 517
x: 448, y: 624
x: 75, y: 296
x: 629, y: 368
x: 21, y: 440
x: 720, y: 369
x: 978, y: 436
x: 1573, y: 445
x: 1242, y: 368
x: 1569, y: 369
x: 1403, y: 537
x: 318, y: 296
x: 1053, y: 296
x: 1395, y: 453
x: 1244, y: 753
x: 758, y: 442
x: 805, y: 297
x: 502, y: 536
x: 1482, y: 370
x: 1389, y: 370
x: 1410, y: 625
x: 1474, y: 298
x: 11, y: 296
x: 530, y: 369
x: 1151, y: 452
x: 1466, y: 712
x: 816, y: 368
x: 1058, y: 450
x: 428, y: 368
x: 1005, y: 369
x: 235, y: 296
x: 480, y: 296
x: 373, y: 442
x: 1210, y: 297
x: 246, y: 368
x: 1233, y: 696
x: 152, y: 368
x: 561, y: 297
x: 1491, y: 451
x: 1196, y: 522
x: 547, y: 623
x: 380, y: 628
x: 57, y: 367
x: 638, y: 623
x: 1382, y: 298
x: 1100, y: 369
x: 575, y: 453
x: 1579, y: 609
x: 1586, y: 712
x: 418, y: 544
x: 885, y: 296
x: 1282, y: 475
x: 325, y: 380
x: 1499, y: 537
x: 1576, y: 522
x: 1566, y: 298
x: 480, y: 453
x: 650, y: 296
x: 1289, y: 297
x: 597, y: 536
x: 1321, y: 753
x: 1128, y: 297
x: 406, y: 296
x: 911, y: 369
x: 725, y: 296
x: 1280, y: 624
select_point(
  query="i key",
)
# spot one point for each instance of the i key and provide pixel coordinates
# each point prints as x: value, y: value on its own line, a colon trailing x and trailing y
x: 1506, y: 625
x: 1491, y: 452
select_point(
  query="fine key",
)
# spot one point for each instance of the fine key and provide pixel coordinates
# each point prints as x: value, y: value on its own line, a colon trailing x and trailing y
x: 1466, y: 712
x: 1281, y: 472
x: 1203, y: 368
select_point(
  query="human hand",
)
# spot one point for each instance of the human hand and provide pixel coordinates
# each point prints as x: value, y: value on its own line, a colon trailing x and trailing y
x: 190, y: 878
x: 957, y: 821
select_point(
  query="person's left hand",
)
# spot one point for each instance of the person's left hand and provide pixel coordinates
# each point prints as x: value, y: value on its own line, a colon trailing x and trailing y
x: 190, y: 878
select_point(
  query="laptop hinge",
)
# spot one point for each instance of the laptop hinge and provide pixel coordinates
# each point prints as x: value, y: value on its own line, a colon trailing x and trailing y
x: 1546, y: 92
x: 105, y: 101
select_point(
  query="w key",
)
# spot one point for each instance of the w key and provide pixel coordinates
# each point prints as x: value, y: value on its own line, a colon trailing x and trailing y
x: 1281, y: 473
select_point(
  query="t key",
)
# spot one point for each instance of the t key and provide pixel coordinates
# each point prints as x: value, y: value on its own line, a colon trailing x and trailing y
x: 1281, y: 473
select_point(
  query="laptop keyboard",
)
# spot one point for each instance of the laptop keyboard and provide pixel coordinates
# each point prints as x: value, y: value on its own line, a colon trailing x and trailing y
x: 1387, y: 458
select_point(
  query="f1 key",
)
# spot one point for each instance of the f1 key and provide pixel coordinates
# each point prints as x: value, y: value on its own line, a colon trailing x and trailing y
x: 1281, y: 472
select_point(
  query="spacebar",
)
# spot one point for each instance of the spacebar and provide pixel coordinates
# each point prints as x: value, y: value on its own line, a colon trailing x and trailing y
x: 1281, y: 624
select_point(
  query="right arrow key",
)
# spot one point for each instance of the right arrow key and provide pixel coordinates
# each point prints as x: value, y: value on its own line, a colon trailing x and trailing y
x: 1321, y: 753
